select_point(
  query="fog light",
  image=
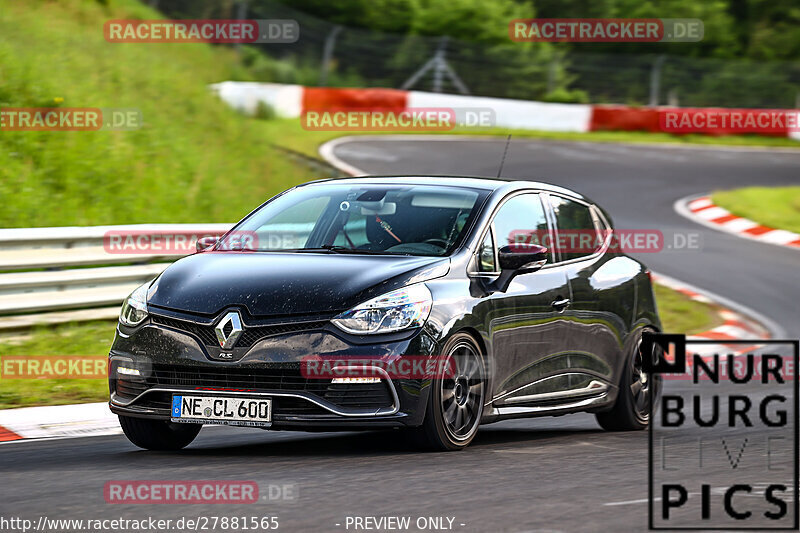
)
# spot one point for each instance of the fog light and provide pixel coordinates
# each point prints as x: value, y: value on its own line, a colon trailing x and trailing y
x: 125, y: 371
x: 356, y: 380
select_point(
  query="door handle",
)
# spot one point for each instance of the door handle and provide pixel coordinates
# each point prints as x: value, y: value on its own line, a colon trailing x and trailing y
x: 560, y: 304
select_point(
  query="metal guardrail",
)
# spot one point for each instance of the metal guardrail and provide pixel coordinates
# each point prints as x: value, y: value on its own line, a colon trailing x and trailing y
x: 77, y: 236
x: 65, y: 274
x: 39, y: 274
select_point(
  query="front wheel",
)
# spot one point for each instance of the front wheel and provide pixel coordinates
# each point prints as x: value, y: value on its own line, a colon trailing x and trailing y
x: 456, y: 400
x: 637, y: 390
x: 158, y: 434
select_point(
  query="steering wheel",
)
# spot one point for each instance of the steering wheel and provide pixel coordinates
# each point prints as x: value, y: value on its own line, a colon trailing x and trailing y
x: 441, y: 243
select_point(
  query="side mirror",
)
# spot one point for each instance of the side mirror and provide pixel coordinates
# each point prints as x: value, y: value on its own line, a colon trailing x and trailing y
x: 204, y: 243
x: 514, y: 259
x: 522, y: 257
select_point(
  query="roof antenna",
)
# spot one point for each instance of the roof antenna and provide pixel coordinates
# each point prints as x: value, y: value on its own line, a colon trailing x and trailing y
x: 503, y: 161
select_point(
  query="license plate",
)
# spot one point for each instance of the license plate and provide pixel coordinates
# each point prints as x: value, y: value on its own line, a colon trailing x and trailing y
x: 222, y: 410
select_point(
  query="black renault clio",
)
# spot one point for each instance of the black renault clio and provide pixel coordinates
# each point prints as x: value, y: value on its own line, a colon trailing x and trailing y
x: 380, y: 271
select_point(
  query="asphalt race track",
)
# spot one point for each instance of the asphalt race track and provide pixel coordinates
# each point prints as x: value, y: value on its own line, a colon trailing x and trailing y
x: 549, y: 474
x: 638, y: 186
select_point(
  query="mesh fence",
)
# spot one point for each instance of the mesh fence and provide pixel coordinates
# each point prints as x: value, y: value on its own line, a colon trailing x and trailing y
x: 337, y: 56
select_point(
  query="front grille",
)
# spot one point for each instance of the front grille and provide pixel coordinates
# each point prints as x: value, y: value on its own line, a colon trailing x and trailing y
x: 249, y: 337
x: 347, y: 395
x: 279, y: 379
x: 358, y: 395
x: 204, y: 333
x: 296, y: 407
x: 128, y: 387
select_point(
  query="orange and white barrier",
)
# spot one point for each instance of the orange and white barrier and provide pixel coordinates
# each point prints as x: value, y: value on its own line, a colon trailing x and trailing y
x: 291, y: 101
x: 700, y: 120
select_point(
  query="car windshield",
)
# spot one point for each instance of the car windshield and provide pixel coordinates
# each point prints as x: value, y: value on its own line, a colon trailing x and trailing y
x: 361, y: 219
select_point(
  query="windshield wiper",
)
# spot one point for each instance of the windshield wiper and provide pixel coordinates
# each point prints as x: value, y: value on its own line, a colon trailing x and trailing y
x: 328, y: 248
x: 336, y: 249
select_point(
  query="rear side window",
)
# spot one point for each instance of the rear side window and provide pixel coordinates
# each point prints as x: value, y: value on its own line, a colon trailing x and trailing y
x: 577, y: 235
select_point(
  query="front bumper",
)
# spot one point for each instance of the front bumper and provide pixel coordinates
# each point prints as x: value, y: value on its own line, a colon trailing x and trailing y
x: 175, y: 356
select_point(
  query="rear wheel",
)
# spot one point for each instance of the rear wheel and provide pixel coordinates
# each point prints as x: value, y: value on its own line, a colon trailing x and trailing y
x: 637, y: 390
x: 456, y: 400
x: 158, y: 434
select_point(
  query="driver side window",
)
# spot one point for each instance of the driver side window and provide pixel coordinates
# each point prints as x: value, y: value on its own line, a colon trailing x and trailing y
x: 521, y: 219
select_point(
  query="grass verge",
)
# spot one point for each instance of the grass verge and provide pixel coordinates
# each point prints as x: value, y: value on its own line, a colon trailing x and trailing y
x: 90, y: 338
x: 679, y: 314
x: 774, y: 207
x: 193, y: 160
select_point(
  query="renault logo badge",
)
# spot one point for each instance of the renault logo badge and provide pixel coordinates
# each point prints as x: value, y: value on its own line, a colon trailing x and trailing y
x: 229, y: 330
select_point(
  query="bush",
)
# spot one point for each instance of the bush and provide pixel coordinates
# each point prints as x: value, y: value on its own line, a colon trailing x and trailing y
x: 567, y: 96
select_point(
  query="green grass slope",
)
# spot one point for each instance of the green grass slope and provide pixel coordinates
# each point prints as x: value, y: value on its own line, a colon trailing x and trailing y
x: 194, y: 159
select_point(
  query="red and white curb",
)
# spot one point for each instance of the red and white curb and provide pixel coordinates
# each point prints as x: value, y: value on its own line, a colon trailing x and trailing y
x: 736, y: 324
x: 703, y: 211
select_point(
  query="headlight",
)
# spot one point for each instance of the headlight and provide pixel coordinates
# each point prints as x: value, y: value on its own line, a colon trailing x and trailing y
x: 134, y: 308
x: 404, y: 308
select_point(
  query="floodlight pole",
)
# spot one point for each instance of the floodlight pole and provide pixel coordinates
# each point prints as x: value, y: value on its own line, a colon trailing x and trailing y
x: 655, y: 80
x: 327, y: 55
x: 438, y: 63
x: 241, y: 14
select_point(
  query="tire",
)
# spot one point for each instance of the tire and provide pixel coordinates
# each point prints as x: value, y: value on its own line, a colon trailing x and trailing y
x: 451, y: 424
x: 158, y: 434
x: 631, y: 411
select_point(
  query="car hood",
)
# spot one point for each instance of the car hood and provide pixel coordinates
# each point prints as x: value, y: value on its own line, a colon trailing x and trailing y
x: 271, y: 284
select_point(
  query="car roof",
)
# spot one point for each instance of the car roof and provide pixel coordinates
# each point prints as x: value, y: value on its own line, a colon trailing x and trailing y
x: 477, y: 182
